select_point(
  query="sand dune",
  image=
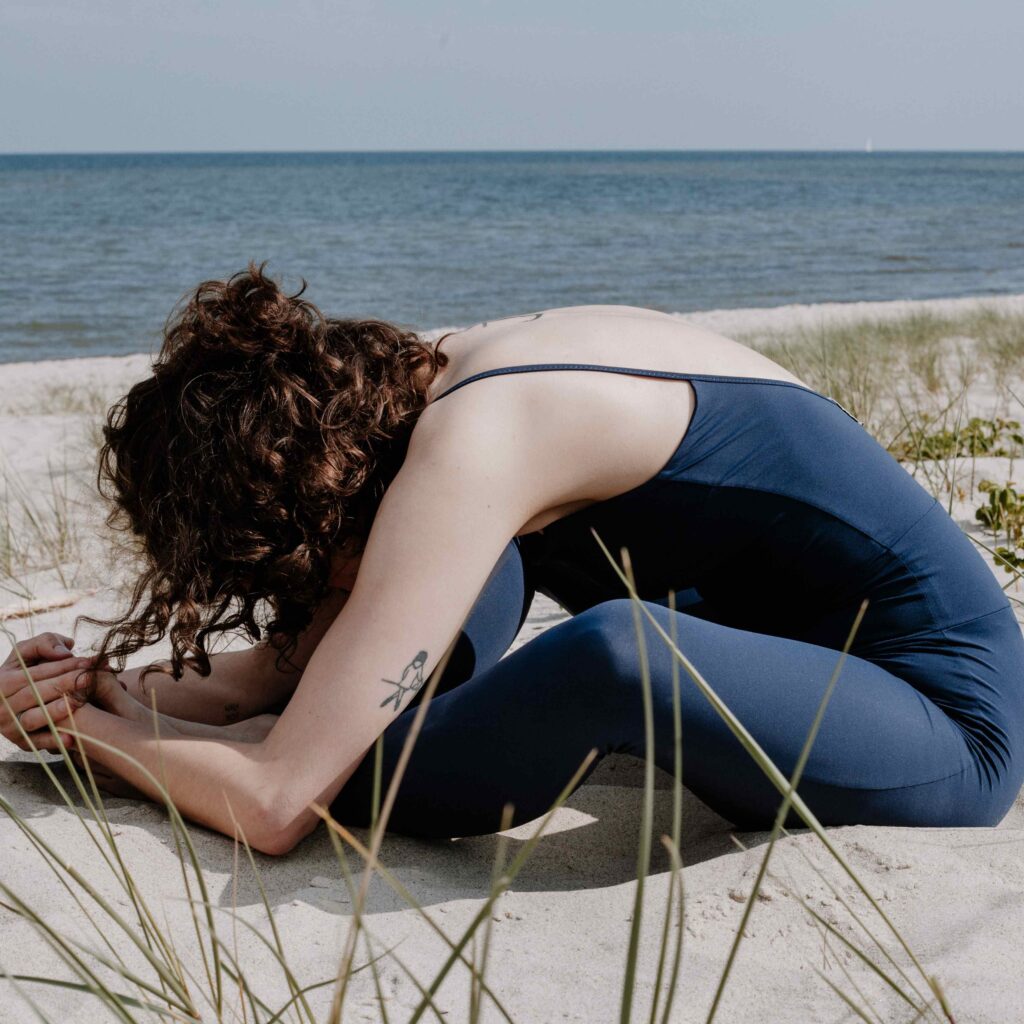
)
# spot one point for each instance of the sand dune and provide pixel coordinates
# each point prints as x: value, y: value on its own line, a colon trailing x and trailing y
x: 559, y: 937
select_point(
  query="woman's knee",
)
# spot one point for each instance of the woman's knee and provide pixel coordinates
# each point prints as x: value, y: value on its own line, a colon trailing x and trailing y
x: 603, y: 627
x: 603, y: 645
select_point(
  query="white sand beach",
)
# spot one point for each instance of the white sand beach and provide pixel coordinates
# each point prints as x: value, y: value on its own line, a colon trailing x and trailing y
x: 559, y: 936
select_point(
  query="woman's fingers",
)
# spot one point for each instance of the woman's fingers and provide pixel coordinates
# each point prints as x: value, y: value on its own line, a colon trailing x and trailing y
x: 21, y: 712
x: 14, y: 679
x: 74, y: 683
x: 19, y: 707
x: 44, y: 647
x: 45, y: 740
x: 37, y: 734
x: 35, y: 718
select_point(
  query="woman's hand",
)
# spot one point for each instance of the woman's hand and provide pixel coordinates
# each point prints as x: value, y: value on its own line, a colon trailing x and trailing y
x: 55, y: 672
x: 105, y: 690
x: 62, y: 682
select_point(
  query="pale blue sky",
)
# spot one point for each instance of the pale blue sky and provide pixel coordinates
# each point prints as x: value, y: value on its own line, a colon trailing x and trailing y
x: 115, y: 75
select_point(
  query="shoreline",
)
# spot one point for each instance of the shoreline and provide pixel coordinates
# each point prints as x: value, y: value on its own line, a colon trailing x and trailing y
x: 739, y: 320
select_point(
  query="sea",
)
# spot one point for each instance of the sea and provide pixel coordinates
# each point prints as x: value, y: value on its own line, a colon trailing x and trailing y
x: 98, y: 249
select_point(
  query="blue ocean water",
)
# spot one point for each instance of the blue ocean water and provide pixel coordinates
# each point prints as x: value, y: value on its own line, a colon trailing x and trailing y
x: 98, y: 248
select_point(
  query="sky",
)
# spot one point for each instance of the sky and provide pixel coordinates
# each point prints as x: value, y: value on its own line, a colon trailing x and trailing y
x: 157, y: 75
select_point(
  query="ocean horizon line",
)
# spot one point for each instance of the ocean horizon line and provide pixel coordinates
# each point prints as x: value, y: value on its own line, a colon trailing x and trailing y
x: 626, y: 151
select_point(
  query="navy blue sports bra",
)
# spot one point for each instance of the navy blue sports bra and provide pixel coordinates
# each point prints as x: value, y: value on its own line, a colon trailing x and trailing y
x: 782, y: 512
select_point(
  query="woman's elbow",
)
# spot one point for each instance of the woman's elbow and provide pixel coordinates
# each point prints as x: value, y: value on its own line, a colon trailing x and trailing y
x: 281, y: 808
x: 275, y: 831
x: 275, y: 844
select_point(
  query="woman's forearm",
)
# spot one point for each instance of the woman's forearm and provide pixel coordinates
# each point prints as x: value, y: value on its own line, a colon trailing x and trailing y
x: 230, y: 693
x: 241, y: 684
x: 223, y: 784
x: 248, y: 730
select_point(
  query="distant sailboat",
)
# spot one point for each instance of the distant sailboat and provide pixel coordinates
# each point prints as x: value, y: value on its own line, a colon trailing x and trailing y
x: 868, y: 148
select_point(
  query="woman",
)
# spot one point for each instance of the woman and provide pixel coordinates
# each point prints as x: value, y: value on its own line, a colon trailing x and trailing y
x: 386, y: 499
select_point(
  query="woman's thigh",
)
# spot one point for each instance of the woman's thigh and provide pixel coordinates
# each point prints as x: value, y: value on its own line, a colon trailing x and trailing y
x: 517, y: 731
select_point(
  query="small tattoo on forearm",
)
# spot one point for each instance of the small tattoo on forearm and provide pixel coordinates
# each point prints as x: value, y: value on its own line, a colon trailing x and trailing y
x: 231, y: 714
x: 411, y: 680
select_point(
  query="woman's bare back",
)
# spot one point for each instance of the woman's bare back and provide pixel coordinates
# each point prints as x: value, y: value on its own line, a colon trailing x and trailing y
x: 623, y: 427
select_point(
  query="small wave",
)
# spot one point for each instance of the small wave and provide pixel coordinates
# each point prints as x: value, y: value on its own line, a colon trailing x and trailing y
x: 50, y: 326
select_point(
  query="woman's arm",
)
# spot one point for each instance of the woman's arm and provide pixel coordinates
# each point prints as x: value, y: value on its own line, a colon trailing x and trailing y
x: 470, y: 479
x: 108, y: 694
x: 241, y: 684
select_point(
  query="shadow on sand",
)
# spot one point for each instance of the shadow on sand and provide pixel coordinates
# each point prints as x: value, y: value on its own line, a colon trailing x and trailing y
x: 590, y: 844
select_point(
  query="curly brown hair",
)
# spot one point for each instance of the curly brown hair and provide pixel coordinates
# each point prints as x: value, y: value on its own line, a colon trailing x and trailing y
x: 262, y: 444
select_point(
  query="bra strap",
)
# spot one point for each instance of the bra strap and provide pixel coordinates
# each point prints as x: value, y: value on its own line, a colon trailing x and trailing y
x: 531, y: 367
x: 637, y: 372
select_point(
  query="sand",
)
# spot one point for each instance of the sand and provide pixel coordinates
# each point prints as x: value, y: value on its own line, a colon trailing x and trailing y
x: 558, y: 945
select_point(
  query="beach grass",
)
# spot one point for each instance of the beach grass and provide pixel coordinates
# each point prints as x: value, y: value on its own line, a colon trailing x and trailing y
x: 62, y: 398
x: 908, y: 381
x: 39, y: 532
x: 200, y: 976
x: 877, y: 366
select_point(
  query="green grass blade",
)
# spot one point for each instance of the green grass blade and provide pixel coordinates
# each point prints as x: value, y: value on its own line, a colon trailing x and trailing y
x: 380, y: 827
x: 338, y: 832
x: 77, y: 986
x: 516, y: 865
x: 643, y: 863
x: 676, y: 877
x: 368, y: 942
x: 851, y: 1005
x: 848, y: 943
x: 65, y: 951
x: 476, y: 979
x: 858, y: 918
x: 783, y: 810
x: 866, y: 1003
x: 677, y: 956
x: 765, y: 763
x: 183, y: 844
x: 94, y: 806
x: 278, y: 945
x: 336, y: 835
x: 25, y: 997
x: 53, y: 859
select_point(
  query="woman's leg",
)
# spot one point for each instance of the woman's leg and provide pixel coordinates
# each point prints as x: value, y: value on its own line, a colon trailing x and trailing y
x: 493, y: 623
x: 517, y: 731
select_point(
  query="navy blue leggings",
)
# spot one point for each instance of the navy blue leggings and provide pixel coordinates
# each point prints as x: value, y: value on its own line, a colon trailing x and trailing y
x: 514, y: 729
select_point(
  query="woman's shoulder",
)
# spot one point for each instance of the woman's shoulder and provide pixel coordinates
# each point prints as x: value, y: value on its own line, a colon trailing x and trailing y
x: 562, y: 437
x: 608, y: 309
x: 613, y: 336
x: 566, y: 315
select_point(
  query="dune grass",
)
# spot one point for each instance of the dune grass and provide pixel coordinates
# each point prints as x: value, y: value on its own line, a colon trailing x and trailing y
x: 199, y: 976
x: 61, y: 399
x: 907, y: 381
x: 914, y: 381
x: 879, y: 368
x: 39, y: 532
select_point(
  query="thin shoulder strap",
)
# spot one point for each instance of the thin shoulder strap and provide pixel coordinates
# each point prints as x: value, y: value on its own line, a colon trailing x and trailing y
x: 635, y: 371
x: 531, y: 367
